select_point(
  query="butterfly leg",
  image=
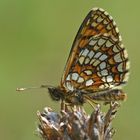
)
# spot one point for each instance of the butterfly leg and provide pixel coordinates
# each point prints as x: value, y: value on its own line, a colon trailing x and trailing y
x: 90, y: 101
x: 65, y: 106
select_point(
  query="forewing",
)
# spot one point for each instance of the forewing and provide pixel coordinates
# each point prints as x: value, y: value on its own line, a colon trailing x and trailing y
x: 97, y: 60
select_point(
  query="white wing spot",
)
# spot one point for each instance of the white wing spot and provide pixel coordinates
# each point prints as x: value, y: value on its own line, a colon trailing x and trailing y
x: 126, y: 77
x: 95, y: 9
x: 120, y: 67
x: 109, y: 78
x: 103, y: 79
x: 104, y: 72
x: 110, y: 17
x: 102, y: 65
x: 117, y: 30
x: 115, y: 49
x: 81, y: 52
x: 122, y: 46
x: 69, y: 86
x: 114, y: 23
x: 111, y: 85
x: 85, y: 52
x: 95, y: 16
x: 96, y: 63
x: 102, y: 10
x: 99, y: 74
x: 81, y: 59
x: 97, y: 55
x: 87, y: 60
x: 96, y: 47
x: 117, y: 57
x: 108, y: 27
x: 106, y: 85
x: 106, y: 13
x: 120, y: 38
x: 125, y: 54
x: 92, y: 61
x: 103, y: 57
x: 91, y: 54
x: 108, y: 44
x: 105, y: 22
x: 92, y: 42
x: 94, y: 24
x: 101, y: 41
x: 80, y: 80
x: 75, y: 76
x: 101, y: 86
x: 88, y: 72
x: 68, y: 77
x: 89, y: 82
x: 127, y: 65
x: 99, y: 19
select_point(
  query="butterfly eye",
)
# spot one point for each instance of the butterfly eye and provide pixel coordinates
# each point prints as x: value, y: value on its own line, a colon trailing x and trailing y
x: 54, y: 93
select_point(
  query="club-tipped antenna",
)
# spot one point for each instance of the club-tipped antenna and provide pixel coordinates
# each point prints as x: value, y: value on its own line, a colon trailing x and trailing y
x: 28, y: 88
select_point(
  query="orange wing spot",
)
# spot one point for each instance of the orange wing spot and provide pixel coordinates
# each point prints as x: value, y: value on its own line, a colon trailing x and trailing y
x: 100, y: 27
x: 95, y: 77
x: 114, y: 69
x: 75, y: 83
x: 83, y: 42
x: 90, y: 68
x: 117, y: 78
x: 83, y: 30
x: 84, y: 75
x: 98, y: 83
x: 103, y: 31
x: 77, y: 69
x: 110, y: 52
x: 90, y: 32
x: 104, y: 48
x: 111, y: 61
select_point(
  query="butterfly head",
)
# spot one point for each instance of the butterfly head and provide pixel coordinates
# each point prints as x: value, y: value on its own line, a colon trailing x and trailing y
x: 55, y: 93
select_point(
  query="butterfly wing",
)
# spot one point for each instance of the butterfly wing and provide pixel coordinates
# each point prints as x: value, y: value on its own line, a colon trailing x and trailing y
x: 97, y: 59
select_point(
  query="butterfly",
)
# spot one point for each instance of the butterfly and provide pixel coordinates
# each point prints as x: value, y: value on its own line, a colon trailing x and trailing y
x: 97, y: 65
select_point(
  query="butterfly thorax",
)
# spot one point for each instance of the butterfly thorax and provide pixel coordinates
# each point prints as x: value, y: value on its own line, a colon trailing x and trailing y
x: 70, y: 97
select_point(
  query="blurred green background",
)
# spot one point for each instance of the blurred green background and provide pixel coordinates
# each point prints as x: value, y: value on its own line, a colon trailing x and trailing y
x: 35, y: 39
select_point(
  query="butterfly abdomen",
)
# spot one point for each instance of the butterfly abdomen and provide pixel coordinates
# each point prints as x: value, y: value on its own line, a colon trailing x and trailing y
x: 110, y: 95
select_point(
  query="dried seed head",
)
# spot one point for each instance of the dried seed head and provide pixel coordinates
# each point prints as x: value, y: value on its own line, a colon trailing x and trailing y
x: 75, y: 123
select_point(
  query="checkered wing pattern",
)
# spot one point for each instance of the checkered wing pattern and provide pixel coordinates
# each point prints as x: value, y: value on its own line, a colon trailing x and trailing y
x: 97, y: 60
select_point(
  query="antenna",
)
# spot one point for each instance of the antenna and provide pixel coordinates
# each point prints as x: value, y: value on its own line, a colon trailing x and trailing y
x: 28, y: 88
